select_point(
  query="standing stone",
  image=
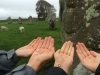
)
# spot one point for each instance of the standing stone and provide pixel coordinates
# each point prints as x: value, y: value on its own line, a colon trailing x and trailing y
x: 51, y: 19
x: 80, y: 22
x: 51, y: 24
x: 80, y: 70
x: 9, y: 20
x: 19, y: 20
x: 30, y: 20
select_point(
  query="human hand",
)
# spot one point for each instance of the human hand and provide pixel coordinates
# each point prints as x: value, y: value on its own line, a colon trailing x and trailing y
x: 64, y: 56
x: 89, y: 59
x: 27, y: 50
x: 42, y: 54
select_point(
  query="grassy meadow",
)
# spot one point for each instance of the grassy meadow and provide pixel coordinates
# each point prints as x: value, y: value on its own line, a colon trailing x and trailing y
x: 13, y: 39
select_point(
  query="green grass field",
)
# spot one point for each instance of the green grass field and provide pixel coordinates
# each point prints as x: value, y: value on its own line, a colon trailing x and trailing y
x: 13, y: 39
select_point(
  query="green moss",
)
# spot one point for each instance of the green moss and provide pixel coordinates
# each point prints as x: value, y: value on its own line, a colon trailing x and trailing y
x: 96, y: 14
x: 99, y: 45
x: 91, y: 39
x: 89, y: 42
x: 82, y: 8
x: 91, y: 0
x: 86, y: 0
x: 98, y: 31
x: 87, y: 24
x: 90, y: 12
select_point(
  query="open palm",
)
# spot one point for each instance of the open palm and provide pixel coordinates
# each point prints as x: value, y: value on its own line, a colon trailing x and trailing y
x: 89, y: 59
x: 43, y: 56
x: 64, y: 56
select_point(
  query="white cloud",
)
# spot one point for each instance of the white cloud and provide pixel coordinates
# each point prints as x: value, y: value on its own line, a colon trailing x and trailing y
x: 22, y: 8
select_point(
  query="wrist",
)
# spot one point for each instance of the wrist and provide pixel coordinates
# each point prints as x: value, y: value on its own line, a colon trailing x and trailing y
x: 35, y: 65
x: 57, y: 64
x: 16, y: 52
x: 60, y: 65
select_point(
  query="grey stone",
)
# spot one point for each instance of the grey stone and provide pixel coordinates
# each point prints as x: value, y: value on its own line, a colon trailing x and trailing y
x: 9, y: 20
x: 19, y: 20
x: 51, y: 19
x: 51, y: 24
x: 80, y: 70
x: 80, y: 22
x: 30, y: 20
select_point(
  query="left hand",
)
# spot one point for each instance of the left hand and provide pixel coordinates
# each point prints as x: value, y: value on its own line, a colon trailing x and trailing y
x: 27, y: 50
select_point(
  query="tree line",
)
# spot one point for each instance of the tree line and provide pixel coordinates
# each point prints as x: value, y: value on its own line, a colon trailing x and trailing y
x: 43, y: 8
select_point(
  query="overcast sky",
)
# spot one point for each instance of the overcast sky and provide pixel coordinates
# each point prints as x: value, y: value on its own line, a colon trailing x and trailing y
x: 22, y: 8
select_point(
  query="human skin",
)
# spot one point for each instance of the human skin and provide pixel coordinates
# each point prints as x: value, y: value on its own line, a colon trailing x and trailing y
x: 28, y: 50
x: 89, y: 59
x: 42, y: 54
x: 64, y: 56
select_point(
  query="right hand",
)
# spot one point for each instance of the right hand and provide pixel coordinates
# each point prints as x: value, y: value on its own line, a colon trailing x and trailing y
x: 89, y: 59
x: 64, y: 56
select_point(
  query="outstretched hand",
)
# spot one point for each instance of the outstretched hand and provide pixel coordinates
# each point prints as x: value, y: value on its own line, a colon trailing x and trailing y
x: 89, y: 59
x: 64, y: 56
x: 27, y: 50
x: 43, y: 53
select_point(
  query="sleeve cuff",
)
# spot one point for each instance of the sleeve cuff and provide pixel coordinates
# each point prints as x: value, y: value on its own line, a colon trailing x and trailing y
x: 98, y: 70
x: 23, y: 70
x: 56, y: 71
x: 12, y: 55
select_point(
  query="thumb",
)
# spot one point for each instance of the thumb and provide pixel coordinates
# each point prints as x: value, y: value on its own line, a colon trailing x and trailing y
x: 52, y: 50
x: 58, y: 51
x: 94, y: 53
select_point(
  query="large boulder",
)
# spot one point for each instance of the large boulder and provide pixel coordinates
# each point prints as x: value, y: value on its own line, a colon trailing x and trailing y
x: 51, y: 19
x: 51, y: 24
x: 80, y: 22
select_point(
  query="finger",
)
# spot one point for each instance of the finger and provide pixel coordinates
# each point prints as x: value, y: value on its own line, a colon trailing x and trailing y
x: 52, y: 50
x: 94, y: 53
x: 51, y: 44
x: 63, y: 47
x: 58, y: 51
x: 36, y: 41
x: 70, y: 49
x: 81, y: 48
x: 40, y: 44
x: 79, y: 55
x: 47, y: 43
x: 31, y: 42
x: 36, y: 44
x: 44, y: 42
x: 69, y: 44
x: 72, y: 52
x: 85, y: 49
x: 80, y: 51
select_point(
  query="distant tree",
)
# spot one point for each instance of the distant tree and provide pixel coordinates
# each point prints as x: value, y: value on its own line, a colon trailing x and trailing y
x: 42, y: 9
